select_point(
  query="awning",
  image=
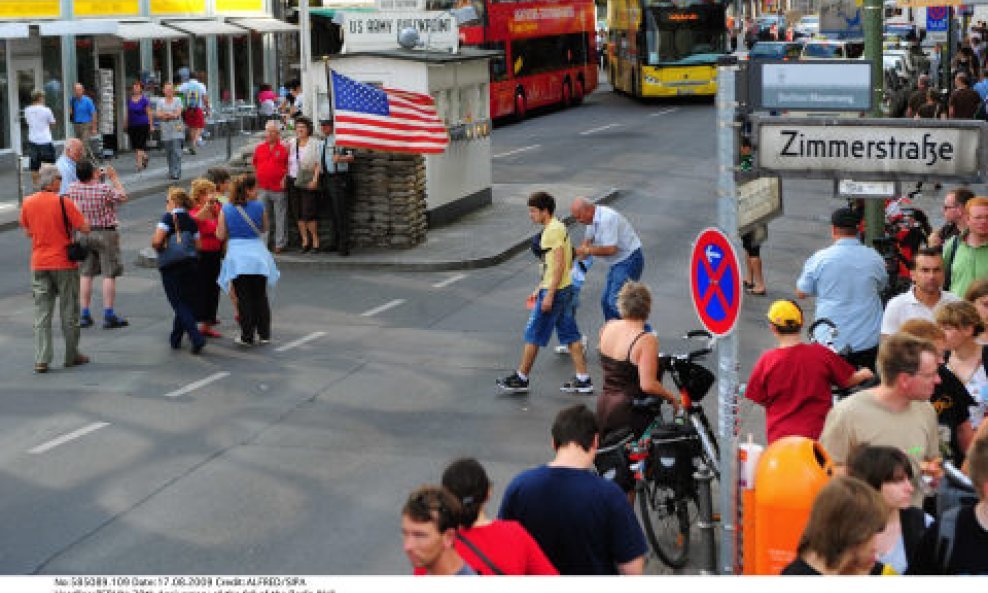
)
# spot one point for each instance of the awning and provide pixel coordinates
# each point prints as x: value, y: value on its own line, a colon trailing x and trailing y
x: 14, y: 31
x: 266, y: 25
x: 205, y: 28
x: 77, y: 27
x: 138, y: 31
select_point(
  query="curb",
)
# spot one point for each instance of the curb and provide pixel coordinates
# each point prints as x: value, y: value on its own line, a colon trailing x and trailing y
x: 147, y: 258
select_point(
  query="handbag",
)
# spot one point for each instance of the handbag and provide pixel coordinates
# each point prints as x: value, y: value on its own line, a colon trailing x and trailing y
x: 75, y: 250
x: 179, y: 247
x: 305, y: 176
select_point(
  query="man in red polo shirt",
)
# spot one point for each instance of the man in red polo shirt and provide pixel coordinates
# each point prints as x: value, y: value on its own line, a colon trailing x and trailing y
x: 53, y: 275
x: 270, y: 168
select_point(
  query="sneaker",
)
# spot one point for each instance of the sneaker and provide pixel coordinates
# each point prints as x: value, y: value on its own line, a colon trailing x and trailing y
x: 114, y: 322
x: 208, y: 331
x: 513, y: 384
x: 263, y: 341
x: 85, y: 321
x: 239, y: 341
x: 577, y: 386
x: 564, y: 349
x: 192, y: 150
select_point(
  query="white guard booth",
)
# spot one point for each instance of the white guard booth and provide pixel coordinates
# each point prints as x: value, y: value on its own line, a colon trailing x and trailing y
x: 459, y: 180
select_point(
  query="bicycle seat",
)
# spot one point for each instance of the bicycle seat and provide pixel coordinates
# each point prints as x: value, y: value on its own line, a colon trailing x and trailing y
x: 652, y: 405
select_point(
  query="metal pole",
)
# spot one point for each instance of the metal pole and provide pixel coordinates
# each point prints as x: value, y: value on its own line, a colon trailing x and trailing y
x: 727, y: 349
x: 20, y: 179
x: 873, y: 16
x: 229, y: 141
x: 705, y: 519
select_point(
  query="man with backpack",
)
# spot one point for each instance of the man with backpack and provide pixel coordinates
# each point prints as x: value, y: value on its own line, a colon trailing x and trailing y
x: 957, y: 543
x: 551, y: 303
x: 966, y: 255
x: 196, y: 102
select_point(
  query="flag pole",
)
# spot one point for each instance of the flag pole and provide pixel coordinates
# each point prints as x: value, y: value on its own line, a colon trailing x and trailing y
x: 329, y: 90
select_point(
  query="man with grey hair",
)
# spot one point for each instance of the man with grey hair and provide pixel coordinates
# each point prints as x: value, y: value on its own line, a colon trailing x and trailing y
x: 49, y: 220
x: 611, y: 239
x: 74, y: 151
x: 270, y: 167
x: 918, y: 97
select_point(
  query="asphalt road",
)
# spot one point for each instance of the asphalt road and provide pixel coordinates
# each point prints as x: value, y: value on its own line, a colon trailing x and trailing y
x: 295, y: 458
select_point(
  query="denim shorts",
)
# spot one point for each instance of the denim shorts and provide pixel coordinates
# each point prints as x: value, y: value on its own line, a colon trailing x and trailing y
x: 562, y: 318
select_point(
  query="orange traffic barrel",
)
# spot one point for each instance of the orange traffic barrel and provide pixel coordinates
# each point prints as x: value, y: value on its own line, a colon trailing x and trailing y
x: 790, y: 473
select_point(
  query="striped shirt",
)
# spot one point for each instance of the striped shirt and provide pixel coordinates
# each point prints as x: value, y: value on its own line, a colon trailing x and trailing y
x: 97, y: 202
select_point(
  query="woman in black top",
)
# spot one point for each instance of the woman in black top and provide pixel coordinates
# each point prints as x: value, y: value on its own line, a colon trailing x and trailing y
x: 889, y: 471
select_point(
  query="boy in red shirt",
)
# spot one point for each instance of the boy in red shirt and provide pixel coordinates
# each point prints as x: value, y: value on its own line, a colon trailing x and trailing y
x: 793, y: 381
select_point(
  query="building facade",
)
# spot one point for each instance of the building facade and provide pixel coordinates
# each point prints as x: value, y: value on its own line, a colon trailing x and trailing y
x: 108, y: 44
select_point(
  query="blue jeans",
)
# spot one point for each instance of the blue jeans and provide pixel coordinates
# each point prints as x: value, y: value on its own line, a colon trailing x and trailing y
x: 561, y: 317
x: 630, y: 268
x: 173, y: 150
x: 180, y: 282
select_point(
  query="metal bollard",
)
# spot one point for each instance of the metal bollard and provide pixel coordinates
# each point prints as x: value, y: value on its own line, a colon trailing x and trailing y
x: 229, y: 140
x: 705, y: 520
x: 20, y: 179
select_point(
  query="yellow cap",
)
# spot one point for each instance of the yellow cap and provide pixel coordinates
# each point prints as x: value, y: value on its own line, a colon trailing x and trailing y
x: 785, y: 314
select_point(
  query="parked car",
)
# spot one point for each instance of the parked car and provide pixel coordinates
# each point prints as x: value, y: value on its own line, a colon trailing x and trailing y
x: 775, y: 50
x: 767, y: 22
x: 808, y: 26
x: 831, y: 50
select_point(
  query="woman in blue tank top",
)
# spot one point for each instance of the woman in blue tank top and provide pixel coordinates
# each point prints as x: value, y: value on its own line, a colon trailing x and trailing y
x: 248, y: 265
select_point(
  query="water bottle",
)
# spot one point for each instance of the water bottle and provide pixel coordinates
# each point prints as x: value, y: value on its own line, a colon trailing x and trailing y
x: 748, y: 455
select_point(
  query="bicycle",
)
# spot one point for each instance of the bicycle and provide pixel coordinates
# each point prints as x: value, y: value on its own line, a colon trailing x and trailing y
x: 665, y: 457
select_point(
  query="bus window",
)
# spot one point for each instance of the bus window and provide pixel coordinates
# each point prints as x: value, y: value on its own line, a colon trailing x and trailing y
x: 499, y: 64
x: 544, y: 54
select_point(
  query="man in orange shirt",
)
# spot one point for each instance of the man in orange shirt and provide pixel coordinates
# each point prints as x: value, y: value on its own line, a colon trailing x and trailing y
x: 53, y: 275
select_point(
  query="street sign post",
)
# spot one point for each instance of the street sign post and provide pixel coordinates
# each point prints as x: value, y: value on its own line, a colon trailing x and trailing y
x: 870, y: 149
x: 834, y: 85
x: 937, y: 23
x: 715, y: 281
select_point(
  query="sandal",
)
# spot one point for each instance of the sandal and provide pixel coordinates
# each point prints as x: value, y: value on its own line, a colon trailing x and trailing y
x: 754, y: 292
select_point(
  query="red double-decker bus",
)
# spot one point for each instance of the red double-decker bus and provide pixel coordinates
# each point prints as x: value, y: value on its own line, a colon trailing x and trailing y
x: 550, y: 56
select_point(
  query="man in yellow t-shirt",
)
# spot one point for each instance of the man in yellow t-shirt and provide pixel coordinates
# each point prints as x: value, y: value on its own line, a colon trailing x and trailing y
x: 554, y: 306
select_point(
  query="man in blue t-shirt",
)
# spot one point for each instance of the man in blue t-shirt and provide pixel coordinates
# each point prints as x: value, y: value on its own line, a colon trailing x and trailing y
x: 82, y: 112
x: 582, y: 522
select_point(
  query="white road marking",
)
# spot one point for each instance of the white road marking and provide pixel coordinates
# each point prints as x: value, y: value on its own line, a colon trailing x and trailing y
x: 516, y: 151
x: 198, y: 384
x: 663, y: 112
x: 592, y: 130
x: 44, y: 448
x: 449, y: 281
x: 300, y: 341
x: 382, y: 308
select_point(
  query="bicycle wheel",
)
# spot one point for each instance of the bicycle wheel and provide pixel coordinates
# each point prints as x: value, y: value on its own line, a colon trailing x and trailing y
x: 666, y: 519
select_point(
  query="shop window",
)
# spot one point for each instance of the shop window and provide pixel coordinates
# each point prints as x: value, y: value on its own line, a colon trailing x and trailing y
x: 241, y: 75
x: 4, y: 103
x: 257, y: 62
x: 51, y: 60
x: 223, y: 70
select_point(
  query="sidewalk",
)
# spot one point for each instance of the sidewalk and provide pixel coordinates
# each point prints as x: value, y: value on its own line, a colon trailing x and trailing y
x: 152, y: 180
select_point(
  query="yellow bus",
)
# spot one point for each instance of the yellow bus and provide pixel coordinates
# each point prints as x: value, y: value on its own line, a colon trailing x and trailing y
x: 663, y: 48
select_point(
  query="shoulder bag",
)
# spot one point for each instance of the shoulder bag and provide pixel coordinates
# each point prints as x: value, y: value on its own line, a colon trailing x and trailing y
x: 305, y: 175
x: 481, y: 555
x: 75, y: 250
x: 240, y: 209
x: 180, y: 246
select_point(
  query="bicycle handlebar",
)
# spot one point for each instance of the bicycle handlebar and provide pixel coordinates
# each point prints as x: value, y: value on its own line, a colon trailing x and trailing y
x: 707, y: 348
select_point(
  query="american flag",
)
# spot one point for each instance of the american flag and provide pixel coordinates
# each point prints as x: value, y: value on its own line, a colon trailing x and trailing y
x: 385, y: 119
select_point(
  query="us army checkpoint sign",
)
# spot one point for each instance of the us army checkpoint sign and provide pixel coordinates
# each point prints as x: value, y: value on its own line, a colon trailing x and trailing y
x: 870, y: 149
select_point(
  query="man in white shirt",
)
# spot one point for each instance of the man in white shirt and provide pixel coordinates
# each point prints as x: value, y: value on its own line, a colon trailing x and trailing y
x: 39, y: 120
x: 924, y: 296
x: 611, y: 239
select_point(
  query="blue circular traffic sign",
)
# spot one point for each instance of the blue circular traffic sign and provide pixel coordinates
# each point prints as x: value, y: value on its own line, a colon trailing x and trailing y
x: 715, y: 281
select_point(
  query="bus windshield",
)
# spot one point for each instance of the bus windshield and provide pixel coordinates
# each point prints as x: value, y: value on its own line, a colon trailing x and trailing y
x: 447, y: 5
x: 693, y: 34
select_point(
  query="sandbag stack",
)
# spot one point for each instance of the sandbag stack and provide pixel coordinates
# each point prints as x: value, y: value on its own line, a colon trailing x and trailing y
x: 389, y: 209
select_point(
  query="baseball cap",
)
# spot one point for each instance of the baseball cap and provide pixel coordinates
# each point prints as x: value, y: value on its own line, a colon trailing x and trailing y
x: 845, y: 218
x: 325, y: 121
x: 785, y: 313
